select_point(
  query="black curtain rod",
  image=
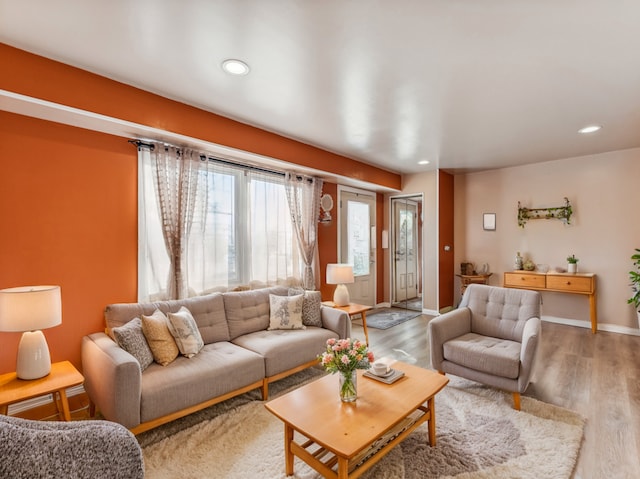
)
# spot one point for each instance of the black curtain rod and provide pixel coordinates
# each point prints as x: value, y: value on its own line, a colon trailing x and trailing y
x: 224, y: 161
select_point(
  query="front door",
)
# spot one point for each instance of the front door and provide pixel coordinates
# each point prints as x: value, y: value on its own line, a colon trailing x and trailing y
x: 357, y: 228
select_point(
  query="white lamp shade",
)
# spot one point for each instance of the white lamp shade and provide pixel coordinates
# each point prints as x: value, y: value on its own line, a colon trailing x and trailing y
x: 338, y: 273
x: 30, y: 308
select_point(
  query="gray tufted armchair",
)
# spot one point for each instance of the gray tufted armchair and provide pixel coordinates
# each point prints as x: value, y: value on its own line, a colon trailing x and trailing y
x: 70, y: 450
x: 492, y: 338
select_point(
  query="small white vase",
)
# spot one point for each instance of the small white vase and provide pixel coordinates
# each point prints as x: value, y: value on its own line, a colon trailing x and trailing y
x: 572, y: 268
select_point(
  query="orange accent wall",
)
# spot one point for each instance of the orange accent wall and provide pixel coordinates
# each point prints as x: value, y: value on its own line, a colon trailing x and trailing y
x: 445, y: 237
x: 68, y: 196
x: 328, y: 243
x: 68, y: 210
x: 39, y: 77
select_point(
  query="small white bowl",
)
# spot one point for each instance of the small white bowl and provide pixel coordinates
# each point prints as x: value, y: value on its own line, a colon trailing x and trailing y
x: 379, y: 369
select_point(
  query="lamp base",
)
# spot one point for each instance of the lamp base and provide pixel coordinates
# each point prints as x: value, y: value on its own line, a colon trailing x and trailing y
x: 34, y: 360
x: 341, y: 296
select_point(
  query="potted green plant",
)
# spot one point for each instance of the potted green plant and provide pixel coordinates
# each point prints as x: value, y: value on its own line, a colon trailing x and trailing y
x: 572, y: 266
x: 634, y: 276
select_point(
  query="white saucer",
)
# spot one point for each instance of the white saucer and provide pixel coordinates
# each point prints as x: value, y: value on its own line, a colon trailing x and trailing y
x: 385, y: 375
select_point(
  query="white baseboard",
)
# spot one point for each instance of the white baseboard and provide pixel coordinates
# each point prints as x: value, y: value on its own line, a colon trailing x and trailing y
x: 429, y: 312
x: 41, y: 401
x: 612, y: 328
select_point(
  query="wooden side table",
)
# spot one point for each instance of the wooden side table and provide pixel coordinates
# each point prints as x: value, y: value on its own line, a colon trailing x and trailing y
x: 62, y: 376
x: 467, y: 279
x: 353, y: 309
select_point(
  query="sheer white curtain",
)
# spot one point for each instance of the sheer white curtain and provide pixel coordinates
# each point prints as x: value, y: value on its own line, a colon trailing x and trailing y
x: 271, y: 247
x: 303, y: 195
x: 237, y: 228
x: 176, y: 180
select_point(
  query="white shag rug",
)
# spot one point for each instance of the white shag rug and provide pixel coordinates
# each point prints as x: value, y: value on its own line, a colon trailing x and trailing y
x: 479, y: 435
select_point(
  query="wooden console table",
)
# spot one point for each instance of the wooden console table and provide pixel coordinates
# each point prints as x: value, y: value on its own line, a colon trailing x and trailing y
x: 578, y: 283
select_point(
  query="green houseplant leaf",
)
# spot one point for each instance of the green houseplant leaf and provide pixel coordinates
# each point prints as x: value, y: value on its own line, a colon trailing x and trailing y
x: 634, y: 276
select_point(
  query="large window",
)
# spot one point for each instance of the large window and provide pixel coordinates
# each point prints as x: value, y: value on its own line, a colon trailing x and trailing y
x: 241, y: 233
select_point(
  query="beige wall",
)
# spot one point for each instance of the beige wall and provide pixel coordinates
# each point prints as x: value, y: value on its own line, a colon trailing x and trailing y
x: 604, y: 192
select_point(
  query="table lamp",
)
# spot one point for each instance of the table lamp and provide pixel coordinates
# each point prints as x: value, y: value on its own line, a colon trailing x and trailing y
x: 29, y: 309
x: 340, y: 274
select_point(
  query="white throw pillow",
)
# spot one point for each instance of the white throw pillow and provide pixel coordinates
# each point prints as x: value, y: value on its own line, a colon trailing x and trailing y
x: 285, y: 312
x: 184, y: 329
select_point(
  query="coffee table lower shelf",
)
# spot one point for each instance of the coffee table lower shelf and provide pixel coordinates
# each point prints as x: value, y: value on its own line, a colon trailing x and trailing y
x: 331, y: 466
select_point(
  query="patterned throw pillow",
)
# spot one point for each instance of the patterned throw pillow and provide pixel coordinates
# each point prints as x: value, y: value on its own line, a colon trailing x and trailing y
x: 310, y: 307
x: 184, y: 330
x: 131, y: 338
x: 162, y: 344
x: 285, y: 312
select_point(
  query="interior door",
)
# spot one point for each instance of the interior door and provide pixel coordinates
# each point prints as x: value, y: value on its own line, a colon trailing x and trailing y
x: 357, y: 222
x: 406, y: 250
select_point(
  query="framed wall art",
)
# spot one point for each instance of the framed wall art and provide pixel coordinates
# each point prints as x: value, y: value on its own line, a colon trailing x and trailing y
x: 489, y: 221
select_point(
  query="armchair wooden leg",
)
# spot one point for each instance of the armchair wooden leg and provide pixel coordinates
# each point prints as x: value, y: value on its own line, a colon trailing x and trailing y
x: 516, y: 401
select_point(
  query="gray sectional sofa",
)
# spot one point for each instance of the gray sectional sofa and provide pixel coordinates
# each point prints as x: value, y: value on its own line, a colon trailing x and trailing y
x: 240, y: 353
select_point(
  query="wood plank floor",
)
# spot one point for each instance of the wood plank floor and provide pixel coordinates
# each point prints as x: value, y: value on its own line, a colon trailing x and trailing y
x: 597, y: 376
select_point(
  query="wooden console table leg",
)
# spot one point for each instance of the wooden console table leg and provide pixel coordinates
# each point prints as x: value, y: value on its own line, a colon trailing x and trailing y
x: 594, y: 313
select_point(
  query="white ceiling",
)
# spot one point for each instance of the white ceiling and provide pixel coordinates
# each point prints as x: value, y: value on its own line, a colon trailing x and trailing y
x: 465, y: 84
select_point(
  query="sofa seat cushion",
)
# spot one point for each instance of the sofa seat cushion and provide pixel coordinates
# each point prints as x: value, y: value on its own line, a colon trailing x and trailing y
x: 499, y: 357
x: 217, y: 369
x: 285, y: 349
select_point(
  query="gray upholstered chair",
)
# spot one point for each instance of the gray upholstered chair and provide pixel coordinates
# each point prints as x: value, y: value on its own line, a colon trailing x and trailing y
x: 77, y: 449
x: 492, y: 338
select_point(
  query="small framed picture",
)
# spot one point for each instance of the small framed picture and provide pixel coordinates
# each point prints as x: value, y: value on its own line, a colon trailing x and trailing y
x: 489, y: 221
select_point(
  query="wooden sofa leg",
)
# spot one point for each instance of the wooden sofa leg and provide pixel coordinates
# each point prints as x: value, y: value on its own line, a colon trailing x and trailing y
x: 442, y: 372
x: 265, y: 389
x: 92, y: 409
x: 516, y: 401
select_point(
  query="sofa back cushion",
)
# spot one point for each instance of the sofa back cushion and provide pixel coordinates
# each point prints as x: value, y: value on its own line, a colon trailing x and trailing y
x: 500, y: 312
x: 208, y: 311
x: 248, y: 311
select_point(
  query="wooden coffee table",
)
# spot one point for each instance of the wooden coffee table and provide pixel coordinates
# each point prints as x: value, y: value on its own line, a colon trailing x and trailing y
x: 343, y: 440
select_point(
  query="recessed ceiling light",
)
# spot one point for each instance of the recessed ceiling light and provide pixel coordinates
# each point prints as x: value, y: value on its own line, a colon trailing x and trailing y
x: 424, y: 162
x: 235, y: 67
x: 589, y: 129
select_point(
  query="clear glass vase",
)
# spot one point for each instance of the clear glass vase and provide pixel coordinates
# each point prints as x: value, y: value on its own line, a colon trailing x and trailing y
x: 348, y: 386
